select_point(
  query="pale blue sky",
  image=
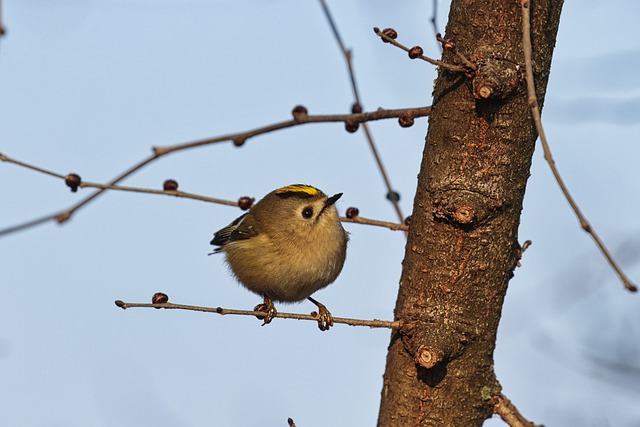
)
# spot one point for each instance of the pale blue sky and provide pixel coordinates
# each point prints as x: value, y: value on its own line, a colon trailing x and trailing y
x: 88, y: 86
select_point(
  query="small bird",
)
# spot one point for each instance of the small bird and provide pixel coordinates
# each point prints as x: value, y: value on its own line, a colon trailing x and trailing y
x: 288, y: 246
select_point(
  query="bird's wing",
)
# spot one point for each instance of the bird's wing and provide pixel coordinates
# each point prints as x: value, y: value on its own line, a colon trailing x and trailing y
x: 241, y: 228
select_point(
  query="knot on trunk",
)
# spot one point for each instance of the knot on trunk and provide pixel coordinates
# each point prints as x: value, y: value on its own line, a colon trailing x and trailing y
x: 427, y: 357
x: 464, y: 209
x: 496, y: 79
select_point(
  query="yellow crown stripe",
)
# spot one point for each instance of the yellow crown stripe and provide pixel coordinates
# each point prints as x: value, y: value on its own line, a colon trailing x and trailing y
x: 298, y: 188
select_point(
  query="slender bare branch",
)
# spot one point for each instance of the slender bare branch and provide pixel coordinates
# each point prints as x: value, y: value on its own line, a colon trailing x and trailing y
x: 31, y: 223
x: 8, y: 159
x: 345, y: 52
x: 391, y: 193
x: 451, y: 67
x: 175, y: 193
x: 241, y: 137
x: 260, y: 314
x: 535, y: 111
x: 450, y: 45
x: 2, y: 29
x: 434, y: 20
x: 510, y: 414
x: 368, y: 221
x: 523, y: 248
x: 237, y: 138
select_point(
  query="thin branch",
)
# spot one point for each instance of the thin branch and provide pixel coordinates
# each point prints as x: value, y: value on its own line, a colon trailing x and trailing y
x: 391, y: 193
x: 86, y: 184
x: 237, y: 138
x: 65, y: 216
x: 368, y: 221
x: 3, y: 31
x: 523, y: 248
x: 451, y: 45
x: 260, y: 314
x: 535, y: 111
x: 510, y: 414
x: 31, y: 223
x: 300, y: 119
x: 8, y: 159
x: 175, y: 193
x: 451, y: 67
x: 182, y: 194
x: 345, y: 52
x: 434, y: 22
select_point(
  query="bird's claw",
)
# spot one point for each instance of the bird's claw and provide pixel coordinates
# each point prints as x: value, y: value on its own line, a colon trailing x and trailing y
x: 325, y: 319
x: 268, y: 308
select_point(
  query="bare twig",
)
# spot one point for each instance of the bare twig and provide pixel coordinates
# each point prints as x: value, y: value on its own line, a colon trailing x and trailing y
x: 346, y: 52
x: 523, y: 248
x: 535, y: 111
x: 392, y: 195
x: 86, y: 184
x: 2, y: 29
x: 451, y: 67
x: 452, y: 46
x: 509, y: 413
x: 64, y: 216
x: 29, y: 224
x: 241, y: 137
x: 237, y: 138
x: 434, y: 22
x: 356, y: 93
x: 182, y: 194
x: 5, y: 158
x: 176, y: 193
x: 261, y: 314
x: 368, y: 221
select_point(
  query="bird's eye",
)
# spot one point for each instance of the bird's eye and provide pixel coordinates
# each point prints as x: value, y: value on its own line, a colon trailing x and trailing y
x: 307, y: 212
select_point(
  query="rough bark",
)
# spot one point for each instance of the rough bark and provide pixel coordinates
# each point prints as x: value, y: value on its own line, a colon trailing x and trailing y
x: 463, y: 246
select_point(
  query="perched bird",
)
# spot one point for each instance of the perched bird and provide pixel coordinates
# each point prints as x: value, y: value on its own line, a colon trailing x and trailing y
x: 289, y: 245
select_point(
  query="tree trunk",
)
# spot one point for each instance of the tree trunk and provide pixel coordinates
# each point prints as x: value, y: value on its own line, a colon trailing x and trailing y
x: 463, y: 247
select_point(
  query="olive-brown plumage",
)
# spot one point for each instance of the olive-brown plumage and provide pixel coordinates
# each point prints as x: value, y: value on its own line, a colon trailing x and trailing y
x: 288, y: 246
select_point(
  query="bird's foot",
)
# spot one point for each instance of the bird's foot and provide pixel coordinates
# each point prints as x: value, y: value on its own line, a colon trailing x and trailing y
x: 325, y: 319
x: 268, y: 308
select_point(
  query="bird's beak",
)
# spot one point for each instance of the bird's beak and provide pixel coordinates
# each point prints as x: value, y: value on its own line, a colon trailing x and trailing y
x: 331, y: 200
